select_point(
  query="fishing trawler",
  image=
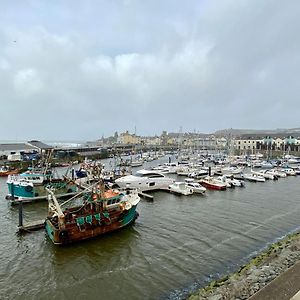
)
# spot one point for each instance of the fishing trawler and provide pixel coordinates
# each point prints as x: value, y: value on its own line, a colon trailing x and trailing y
x: 99, y: 212
x: 26, y: 191
x: 31, y: 186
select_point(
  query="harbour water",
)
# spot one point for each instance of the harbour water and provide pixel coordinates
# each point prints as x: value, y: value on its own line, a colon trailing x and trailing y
x: 177, y: 244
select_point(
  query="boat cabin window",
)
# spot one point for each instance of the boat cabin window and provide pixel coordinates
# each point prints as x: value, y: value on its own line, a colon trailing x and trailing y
x: 150, y: 175
x: 113, y: 201
x: 155, y: 176
x: 151, y: 183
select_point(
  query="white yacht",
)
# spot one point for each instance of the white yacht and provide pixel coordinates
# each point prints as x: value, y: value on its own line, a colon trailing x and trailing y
x: 183, y: 171
x: 265, y: 173
x: 277, y: 173
x: 254, y: 177
x: 181, y: 188
x: 288, y: 171
x: 231, y: 182
x: 195, y: 186
x: 231, y: 170
x: 223, y: 180
x: 145, y: 180
x: 171, y: 167
x: 136, y: 163
x: 166, y: 168
x: 266, y: 165
x: 198, y: 174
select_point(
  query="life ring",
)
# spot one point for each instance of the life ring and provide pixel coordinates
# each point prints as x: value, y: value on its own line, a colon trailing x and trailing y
x: 28, y: 188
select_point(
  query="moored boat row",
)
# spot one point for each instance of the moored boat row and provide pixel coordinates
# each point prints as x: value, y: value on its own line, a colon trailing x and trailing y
x: 106, y: 201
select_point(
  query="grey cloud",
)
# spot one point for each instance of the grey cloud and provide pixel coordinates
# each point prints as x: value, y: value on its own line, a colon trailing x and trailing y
x: 202, y: 65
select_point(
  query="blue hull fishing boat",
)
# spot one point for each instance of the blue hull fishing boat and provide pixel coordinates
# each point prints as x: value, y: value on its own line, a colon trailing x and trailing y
x: 28, y: 187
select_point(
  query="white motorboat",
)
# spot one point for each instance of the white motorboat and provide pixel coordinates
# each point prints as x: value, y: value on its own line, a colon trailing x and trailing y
x: 293, y: 160
x: 254, y: 177
x: 288, y: 171
x: 236, y: 182
x: 181, y: 188
x: 197, y: 187
x: 183, y: 171
x: 256, y: 164
x: 223, y: 180
x: 166, y: 168
x: 231, y: 182
x: 268, y: 175
x: 296, y: 169
x: 145, y: 180
x: 198, y: 174
x: 231, y: 170
x: 266, y: 165
x: 276, y: 173
x: 265, y: 174
x: 137, y: 163
x: 170, y: 168
x: 160, y: 169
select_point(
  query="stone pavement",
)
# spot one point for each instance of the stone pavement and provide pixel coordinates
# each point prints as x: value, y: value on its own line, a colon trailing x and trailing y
x: 284, y: 287
x: 296, y: 297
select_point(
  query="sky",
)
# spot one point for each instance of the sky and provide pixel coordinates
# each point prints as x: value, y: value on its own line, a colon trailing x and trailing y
x: 80, y: 70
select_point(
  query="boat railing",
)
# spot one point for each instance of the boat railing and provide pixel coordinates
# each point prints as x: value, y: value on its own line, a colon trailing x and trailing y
x: 128, y: 190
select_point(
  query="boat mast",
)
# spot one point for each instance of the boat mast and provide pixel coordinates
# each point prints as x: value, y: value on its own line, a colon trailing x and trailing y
x: 47, y: 161
x: 55, y: 207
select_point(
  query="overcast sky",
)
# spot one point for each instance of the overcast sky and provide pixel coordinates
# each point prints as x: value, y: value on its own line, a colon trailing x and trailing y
x: 77, y: 70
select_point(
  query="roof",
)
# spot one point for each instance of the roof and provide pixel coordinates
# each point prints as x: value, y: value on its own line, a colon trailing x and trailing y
x: 40, y: 145
x: 16, y: 147
x: 263, y: 136
x: 249, y: 137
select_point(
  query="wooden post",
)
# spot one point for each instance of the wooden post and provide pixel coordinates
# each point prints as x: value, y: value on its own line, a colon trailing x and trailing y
x: 12, y: 191
x: 20, y: 213
x: 209, y: 171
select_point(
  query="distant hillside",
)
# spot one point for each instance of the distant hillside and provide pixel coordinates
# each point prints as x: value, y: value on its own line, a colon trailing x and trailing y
x: 238, y: 132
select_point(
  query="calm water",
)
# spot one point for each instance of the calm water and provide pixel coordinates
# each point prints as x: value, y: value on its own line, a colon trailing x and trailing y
x: 176, y: 245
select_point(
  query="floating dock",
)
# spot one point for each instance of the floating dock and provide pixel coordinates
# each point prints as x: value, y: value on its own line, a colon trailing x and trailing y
x: 15, y: 201
x: 32, y: 226
x: 146, y: 196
